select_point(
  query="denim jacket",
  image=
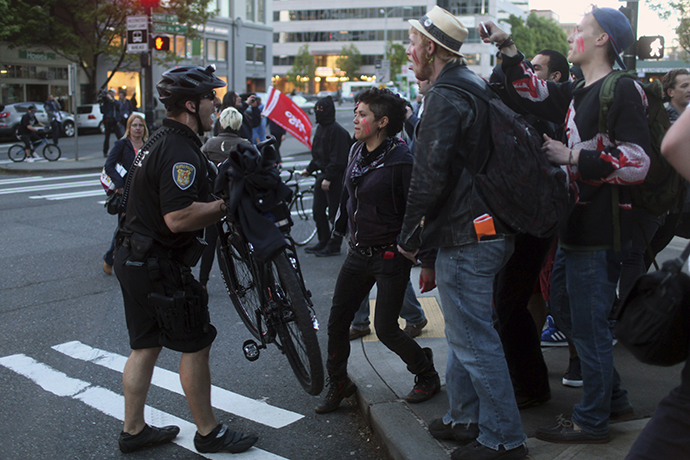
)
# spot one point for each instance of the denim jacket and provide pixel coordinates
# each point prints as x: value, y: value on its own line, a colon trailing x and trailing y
x: 453, y: 132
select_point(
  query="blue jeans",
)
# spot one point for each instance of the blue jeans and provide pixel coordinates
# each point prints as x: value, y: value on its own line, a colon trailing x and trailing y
x: 583, y: 289
x: 411, y: 310
x: 477, y: 378
x: 644, y: 227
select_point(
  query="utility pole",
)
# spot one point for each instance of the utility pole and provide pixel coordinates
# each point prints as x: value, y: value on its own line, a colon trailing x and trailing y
x: 630, y: 54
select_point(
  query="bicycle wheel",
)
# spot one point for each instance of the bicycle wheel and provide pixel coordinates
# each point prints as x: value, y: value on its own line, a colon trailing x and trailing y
x: 51, y: 152
x: 235, y: 264
x: 16, y: 153
x: 295, y: 325
x: 304, y: 227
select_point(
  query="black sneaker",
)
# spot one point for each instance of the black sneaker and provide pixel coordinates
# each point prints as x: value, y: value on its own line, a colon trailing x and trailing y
x: 223, y: 439
x: 317, y: 247
x: 337, y: 391
x: 477, y: 451
x: 149, y: 436
x: 525, y: 401
x: 328, y: 251
x: 462, y: 433
x: 573, y: 376
x: 357, y: 333
x: 565, y: 431
x: 427, y: 384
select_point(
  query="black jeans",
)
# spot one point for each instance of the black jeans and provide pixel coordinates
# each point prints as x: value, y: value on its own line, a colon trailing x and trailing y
x: 111, y: 126
x: 323, y: 200
x: 211, y: 237
x: 513, y: 287
x: 391, y: 273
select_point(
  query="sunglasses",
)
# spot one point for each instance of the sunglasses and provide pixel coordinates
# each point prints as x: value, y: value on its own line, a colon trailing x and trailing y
x: 211, y: 95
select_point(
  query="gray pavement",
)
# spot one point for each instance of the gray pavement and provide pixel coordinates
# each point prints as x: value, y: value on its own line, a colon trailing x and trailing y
x: 383, y: 380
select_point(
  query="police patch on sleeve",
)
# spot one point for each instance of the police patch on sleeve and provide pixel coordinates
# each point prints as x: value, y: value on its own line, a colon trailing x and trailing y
x: 183, y: 175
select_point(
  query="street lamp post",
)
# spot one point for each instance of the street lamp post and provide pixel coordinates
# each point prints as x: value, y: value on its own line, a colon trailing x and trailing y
x: 385, y: 32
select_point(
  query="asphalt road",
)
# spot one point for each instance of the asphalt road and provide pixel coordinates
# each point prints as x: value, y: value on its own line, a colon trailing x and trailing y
x: 64, y: 342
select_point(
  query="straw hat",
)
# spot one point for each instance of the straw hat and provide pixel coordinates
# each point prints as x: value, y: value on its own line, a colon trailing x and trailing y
x: 443, y: 28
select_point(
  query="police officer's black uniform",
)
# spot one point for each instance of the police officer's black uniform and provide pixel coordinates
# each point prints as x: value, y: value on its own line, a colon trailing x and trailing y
x: 164, y: 304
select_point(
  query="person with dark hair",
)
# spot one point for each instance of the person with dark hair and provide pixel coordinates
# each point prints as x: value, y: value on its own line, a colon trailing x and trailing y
x: 597, y: 236
x: 676, y: 92
x: 54, y: 117
x: 329, y: 157
x: 551, y: 65
x: 377, y: 179
x: 28, y: 132
x: 110, y: 108
x: 168, y: 206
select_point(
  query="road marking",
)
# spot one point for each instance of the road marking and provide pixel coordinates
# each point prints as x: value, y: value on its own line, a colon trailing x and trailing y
x: 225, y: 400
x: 113, y: 404
x: 68, y: 196
x: 38, y: 188
x: 26, y: 180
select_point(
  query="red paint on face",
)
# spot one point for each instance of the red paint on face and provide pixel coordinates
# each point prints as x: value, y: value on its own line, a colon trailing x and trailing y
x: 365, y: 126
x: 415, y: 59
x: 580, y: 44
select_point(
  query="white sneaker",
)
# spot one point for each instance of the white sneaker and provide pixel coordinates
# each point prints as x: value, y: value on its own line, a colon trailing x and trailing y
x: 30, y: 160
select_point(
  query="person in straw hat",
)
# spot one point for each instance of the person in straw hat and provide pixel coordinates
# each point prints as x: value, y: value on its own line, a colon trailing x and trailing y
x: 441, y: 208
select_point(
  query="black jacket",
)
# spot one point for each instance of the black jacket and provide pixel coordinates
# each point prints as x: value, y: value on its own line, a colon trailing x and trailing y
x: 122, y: 153
x: 331, y: 143
x: 452, y: 133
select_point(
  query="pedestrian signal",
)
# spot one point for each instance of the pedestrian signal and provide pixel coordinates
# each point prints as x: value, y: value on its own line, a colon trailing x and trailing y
x: 161, y: 43
x: 650, y: 47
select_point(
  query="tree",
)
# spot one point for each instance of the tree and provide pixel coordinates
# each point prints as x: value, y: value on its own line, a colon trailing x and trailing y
x: 537, y: 34
x: 83, y: 31
x: 304, y: 66
x: 397, y: 55
x: 350, y: 61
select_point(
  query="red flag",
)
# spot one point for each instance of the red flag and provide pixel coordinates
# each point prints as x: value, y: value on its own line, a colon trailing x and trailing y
x: 284, y: 112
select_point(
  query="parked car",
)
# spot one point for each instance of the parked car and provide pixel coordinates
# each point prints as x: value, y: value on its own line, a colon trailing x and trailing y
x: 335, y: 95
x: 303, y: 103
x: 11, y: 115
x: 90, y: 117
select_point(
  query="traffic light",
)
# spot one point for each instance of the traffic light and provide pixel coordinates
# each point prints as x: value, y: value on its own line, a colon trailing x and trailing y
x: 650, y: 47
x: 150, y: 3
x: 161, y: 43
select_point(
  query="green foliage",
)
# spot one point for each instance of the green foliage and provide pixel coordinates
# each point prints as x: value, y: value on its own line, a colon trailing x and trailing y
x: 397, y: 56
x: 350, y: 61
x: 537, y: 34
x: 304, y: 66
x: 85, y: 30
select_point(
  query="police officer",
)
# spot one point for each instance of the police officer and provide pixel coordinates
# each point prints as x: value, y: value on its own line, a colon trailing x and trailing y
x: 167, y: 210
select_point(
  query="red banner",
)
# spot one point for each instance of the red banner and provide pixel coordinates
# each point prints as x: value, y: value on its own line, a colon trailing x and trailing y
x: 284, y: 112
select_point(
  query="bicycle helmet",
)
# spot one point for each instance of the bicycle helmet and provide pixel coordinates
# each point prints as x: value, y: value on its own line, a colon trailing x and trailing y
x: 185, y: 83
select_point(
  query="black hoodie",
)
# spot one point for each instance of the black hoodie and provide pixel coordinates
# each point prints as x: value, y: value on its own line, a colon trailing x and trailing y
x: 331, y: 143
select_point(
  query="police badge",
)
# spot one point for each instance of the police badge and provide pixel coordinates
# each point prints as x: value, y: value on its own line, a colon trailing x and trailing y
x: 183, y: 175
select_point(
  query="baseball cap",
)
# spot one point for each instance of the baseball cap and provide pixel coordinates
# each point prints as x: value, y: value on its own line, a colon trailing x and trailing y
x: 617, y: 27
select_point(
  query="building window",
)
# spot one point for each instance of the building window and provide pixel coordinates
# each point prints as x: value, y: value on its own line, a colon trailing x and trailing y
x: 406, y: 12
x: 222, y: 50
x: 180, y: 46
x: 250, y: 53
x: 259, y: 54
x: 250, y: 10
x: 11, y: 93
x: 261, y: 11
x: 211, y: 50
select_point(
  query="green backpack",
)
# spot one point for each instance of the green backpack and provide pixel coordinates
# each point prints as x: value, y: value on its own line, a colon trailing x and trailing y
x: 663, y: 189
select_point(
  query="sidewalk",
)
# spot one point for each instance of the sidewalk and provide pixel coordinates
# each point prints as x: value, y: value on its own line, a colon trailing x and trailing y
x: 383, y: 382
x: 88, y: 162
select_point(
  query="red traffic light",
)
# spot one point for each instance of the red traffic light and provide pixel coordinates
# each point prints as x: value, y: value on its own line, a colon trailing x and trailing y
x: 161, y: 43
x: 150, y: 3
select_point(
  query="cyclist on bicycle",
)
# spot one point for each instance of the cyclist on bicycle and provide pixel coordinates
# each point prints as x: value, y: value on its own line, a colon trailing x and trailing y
x: 29, y: 132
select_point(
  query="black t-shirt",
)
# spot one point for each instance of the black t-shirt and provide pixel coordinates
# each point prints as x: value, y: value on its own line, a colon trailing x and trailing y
x: 28, y: 119
x: 173, y: 175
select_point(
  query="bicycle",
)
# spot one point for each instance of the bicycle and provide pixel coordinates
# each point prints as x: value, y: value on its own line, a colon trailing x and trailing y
x: 51, y: 152
x: 304, y: 228
x: 273, y: 302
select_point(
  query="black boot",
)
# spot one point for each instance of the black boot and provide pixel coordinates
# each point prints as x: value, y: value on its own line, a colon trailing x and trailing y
x: 332, y: 248
x: 338, y: 389
x: 317, y: 247
x: 427, y: 383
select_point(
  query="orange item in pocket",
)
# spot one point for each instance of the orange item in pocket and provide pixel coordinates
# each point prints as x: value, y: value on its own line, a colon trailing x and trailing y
x: 484, y: 226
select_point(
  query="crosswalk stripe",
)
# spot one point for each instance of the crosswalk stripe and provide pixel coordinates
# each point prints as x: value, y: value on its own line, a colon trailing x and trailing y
x: 225, y: 400
x: 68, y: 196
x: 38, y: 188
x: 29, y: 179
x: 113, y: 404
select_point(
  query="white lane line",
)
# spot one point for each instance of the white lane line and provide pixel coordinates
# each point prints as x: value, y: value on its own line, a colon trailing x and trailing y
x: 225, y: 400
x: 26, y: 180
x: 113, y: 404
x: 68, y: 196
x: 38, y: 188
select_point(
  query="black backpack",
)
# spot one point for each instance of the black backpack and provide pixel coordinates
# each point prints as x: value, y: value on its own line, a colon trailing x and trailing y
x: 518, y: 183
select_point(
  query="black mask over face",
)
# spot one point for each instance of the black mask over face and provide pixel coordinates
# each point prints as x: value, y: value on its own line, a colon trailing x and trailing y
x: 324, y: 111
